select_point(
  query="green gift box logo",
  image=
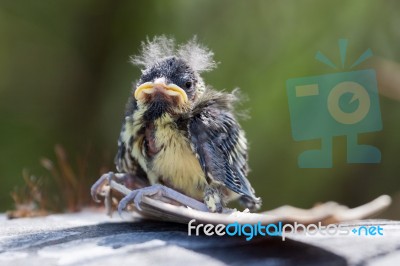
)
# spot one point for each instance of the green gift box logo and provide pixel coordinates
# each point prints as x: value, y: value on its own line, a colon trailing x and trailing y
x: 338, y: 104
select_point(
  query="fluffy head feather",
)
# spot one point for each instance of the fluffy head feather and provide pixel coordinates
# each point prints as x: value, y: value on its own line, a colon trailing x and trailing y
x: 199, y: 58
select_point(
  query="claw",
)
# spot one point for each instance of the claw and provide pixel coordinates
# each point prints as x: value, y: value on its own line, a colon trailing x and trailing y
x: 100, y: 183
x: 136, y: 197
x: 121, y: 207
x: 124, y: 201
x: 137, y: 200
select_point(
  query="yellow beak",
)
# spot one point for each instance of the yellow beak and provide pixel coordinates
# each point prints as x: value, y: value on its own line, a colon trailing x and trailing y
x: 170, y: 89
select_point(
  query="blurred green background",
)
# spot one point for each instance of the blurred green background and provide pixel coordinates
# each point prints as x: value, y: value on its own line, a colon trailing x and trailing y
x: 65, y: 78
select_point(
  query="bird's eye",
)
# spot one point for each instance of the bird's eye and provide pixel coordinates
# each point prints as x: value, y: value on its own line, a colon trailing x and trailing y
x: 188, y: 85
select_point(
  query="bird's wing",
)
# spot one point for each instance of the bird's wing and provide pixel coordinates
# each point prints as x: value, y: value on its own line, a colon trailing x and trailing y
x: 124, y: 160
x: 221, y: 148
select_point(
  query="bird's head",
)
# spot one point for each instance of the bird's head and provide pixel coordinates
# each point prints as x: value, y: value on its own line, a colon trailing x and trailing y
x: 170, y: 80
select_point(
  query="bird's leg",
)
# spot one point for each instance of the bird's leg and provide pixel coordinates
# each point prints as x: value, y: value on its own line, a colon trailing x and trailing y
x: 213, y: 199
x: 102, y: 187
x: 158, y: 191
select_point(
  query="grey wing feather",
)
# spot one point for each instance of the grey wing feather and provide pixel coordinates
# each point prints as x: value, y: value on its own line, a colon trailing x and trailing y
x: 220, y: 144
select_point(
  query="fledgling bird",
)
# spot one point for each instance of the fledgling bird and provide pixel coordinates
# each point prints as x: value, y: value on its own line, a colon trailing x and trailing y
x: 180, y: 135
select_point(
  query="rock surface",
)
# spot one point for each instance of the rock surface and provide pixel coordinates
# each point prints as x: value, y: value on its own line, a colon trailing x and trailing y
x: 92, y: 238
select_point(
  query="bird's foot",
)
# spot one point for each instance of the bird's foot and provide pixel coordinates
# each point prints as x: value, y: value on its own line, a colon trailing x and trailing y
x: 103, y: 187
x: 104, y: 182
x: 159, y: 191
x: 98, y: 188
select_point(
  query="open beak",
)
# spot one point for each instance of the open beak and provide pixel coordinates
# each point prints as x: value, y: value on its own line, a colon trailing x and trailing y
x: 150, y: 88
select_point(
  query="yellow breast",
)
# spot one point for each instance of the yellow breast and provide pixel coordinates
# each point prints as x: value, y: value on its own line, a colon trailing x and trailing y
x: 175, y: 164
